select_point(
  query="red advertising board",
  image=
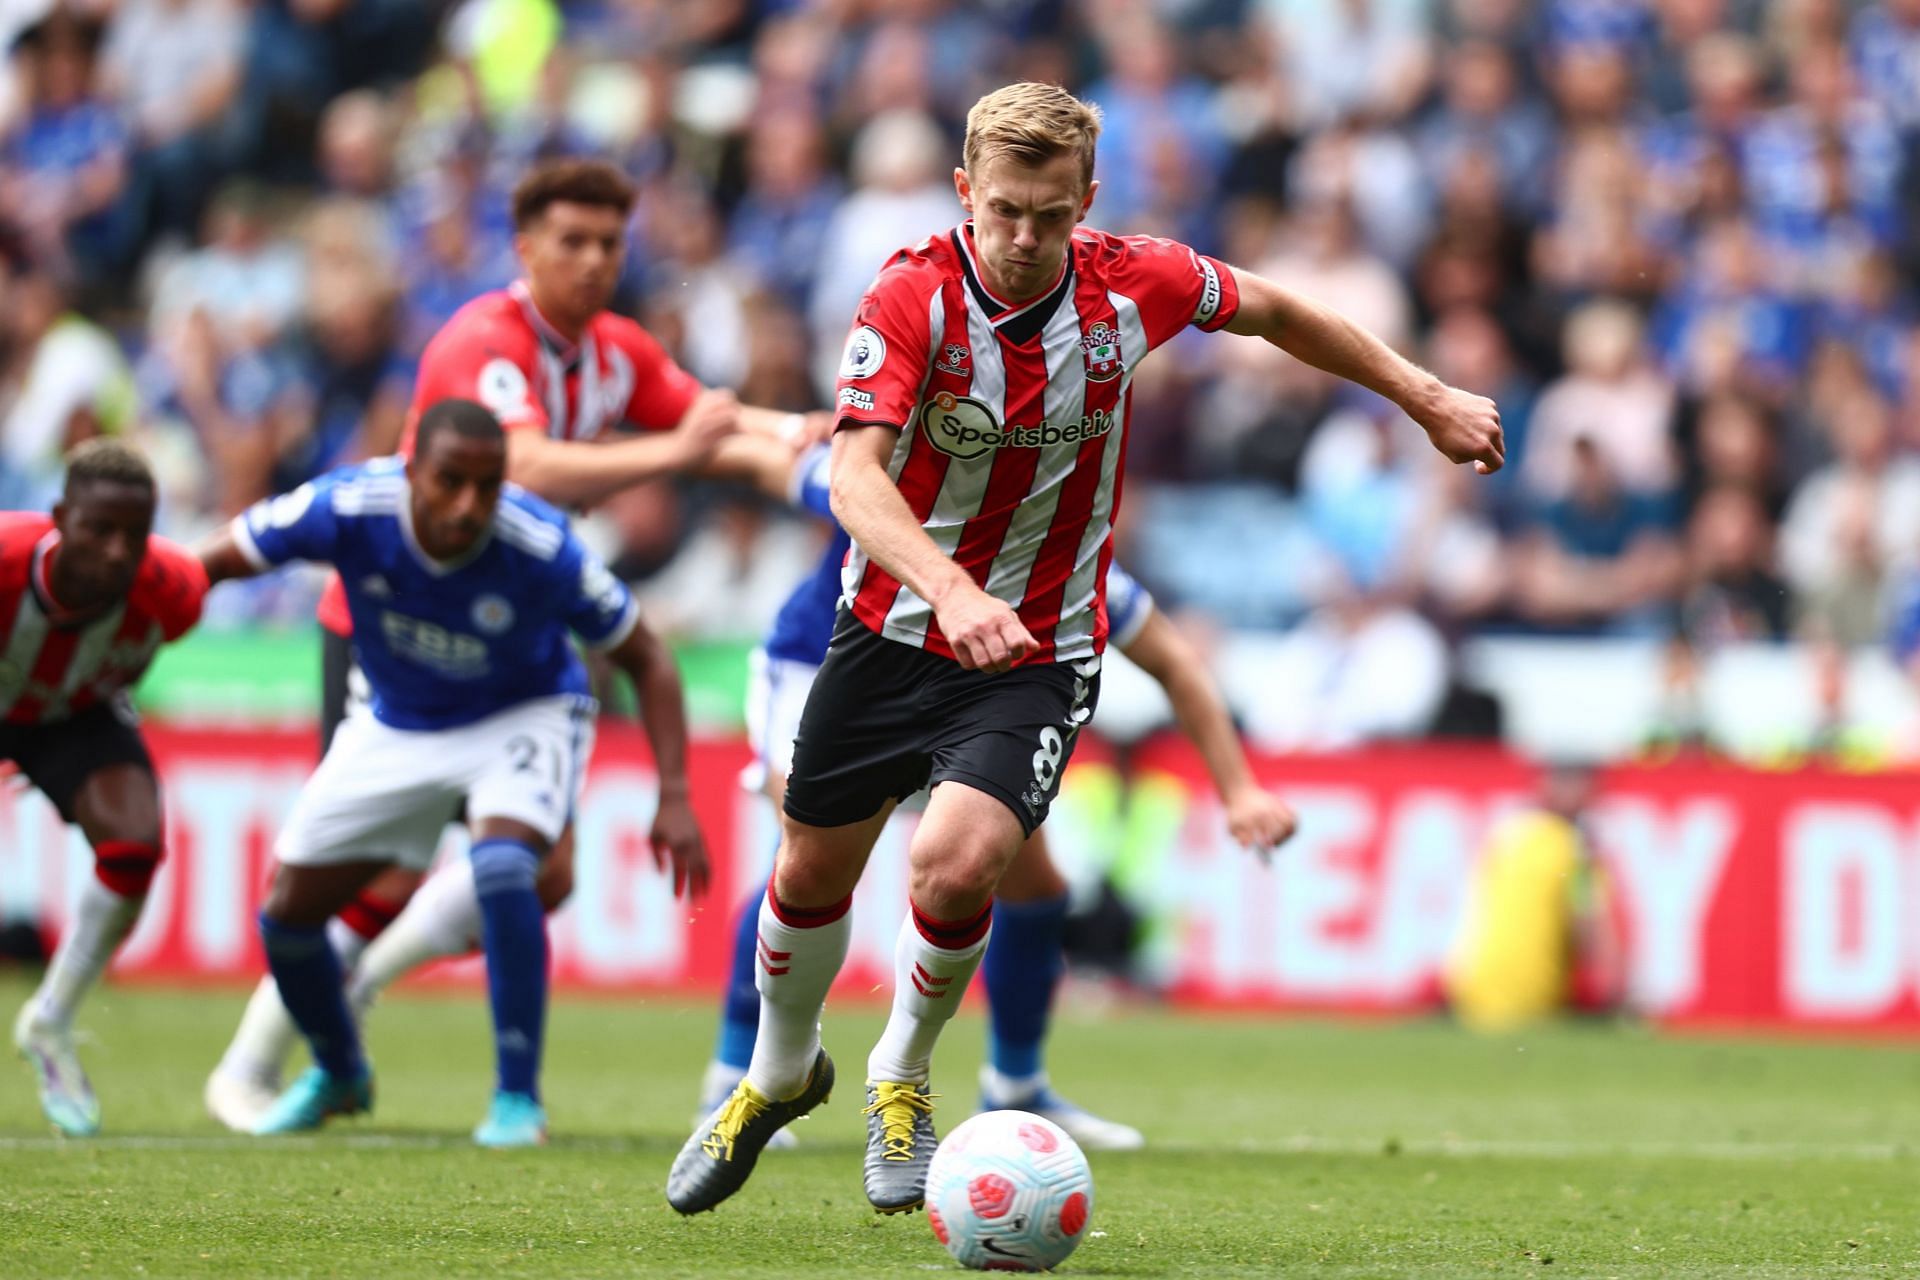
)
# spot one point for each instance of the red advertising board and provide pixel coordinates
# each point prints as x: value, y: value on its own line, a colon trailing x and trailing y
x: 1748, y: 898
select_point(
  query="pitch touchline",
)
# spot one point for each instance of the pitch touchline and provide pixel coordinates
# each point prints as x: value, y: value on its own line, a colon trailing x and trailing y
x: 1297, y: 1144
x: 1550, y: 1148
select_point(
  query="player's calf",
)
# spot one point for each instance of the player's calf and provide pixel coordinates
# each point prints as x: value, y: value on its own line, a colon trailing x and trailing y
x: 514, y: 934
x: 307, y: 971
x: 555, y: 884
x: 105, y: 914
x: 934, y: 961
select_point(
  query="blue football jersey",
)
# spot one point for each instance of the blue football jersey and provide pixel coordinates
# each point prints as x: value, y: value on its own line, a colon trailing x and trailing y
x: 803, y: 628
x: 447, y: 643
x: 1128, y: 606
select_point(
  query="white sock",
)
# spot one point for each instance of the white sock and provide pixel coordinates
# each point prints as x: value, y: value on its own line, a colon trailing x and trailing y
x: 929, y: 983
x: 995, y: 1086
x: 442, y: 920
x: 348, y: 943
x: 267, y: 1035
x: 264, y: 1038
x: 795, y: 966
x: 101, y: 921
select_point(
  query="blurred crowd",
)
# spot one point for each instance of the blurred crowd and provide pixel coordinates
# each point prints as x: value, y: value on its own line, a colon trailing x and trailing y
x: 1671, y: 237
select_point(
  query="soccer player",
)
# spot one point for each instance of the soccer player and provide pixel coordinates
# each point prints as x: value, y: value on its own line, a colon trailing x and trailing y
x: 462, y: 591
x: 89, y: 595
x: 562, y: 373
x: 1024, y: 964
x: 976, y: 464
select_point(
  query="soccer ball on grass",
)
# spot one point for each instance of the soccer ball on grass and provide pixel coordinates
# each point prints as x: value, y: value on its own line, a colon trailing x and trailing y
x: 1008, y: 1191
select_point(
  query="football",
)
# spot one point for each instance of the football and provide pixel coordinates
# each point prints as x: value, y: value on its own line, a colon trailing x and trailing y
x: 1008, y: 1191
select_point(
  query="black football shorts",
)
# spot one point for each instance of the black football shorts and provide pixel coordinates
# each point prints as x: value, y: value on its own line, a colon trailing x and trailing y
x: 59, y: 756
x: 885, y: 719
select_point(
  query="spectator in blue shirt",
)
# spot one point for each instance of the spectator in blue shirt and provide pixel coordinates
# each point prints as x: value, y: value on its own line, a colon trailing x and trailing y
x: 1600, y: 560
x: 63, y: 170
x: 781, y: 224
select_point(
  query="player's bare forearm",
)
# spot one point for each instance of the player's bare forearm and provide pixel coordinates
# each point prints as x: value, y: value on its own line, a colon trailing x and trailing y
x: 1463, y: 426
x: 221, y: 556
x: 1176, y: 666
x: 870, y: 507
x: 1255, y: 818
x: 572, y: 473
x: 765, y: 462
x: 983, y: 631
x: 797, y: 430
x: 1207, y: 723
x: 1320, y: 336
x: 663, y: 704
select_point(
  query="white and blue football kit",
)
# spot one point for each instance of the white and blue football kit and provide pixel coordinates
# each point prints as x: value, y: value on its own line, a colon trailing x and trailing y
x: 476, y: 692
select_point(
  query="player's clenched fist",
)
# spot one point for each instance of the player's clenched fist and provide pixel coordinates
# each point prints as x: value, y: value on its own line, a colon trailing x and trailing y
x: 1259, y: 820
x: 713, y: 416
x: 985, y: 632
x: 1465, y: 427
x: 678, y: 844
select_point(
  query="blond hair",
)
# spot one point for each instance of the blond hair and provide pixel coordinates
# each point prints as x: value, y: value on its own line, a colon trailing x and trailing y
x: 1031, y: 123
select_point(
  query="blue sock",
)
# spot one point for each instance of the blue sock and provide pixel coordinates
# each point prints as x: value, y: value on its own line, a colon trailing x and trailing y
x: 513, y: 929
x: 740, y: 1011
x: 312, y: 987
x: 1023, y: 966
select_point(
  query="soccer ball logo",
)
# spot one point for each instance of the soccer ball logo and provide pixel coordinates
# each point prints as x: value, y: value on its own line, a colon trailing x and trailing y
x: 1008, y: 1191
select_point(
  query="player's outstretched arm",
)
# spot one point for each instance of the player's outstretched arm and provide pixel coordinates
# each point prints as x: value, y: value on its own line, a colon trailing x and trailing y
x: 1463, y: 426
x: 572, y: 473
x: 221, y: 556
x: 676, y: 838
x: 795, y: 429
x: 762, y: 462
x: 984, y: 631
x: 1257, y: 819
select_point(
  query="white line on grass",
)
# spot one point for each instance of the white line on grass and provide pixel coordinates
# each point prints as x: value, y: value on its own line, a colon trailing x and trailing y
x: 1296, y: 1144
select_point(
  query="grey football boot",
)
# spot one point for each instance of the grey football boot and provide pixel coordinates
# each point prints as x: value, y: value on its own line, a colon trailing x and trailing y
x: 717, y: 1159
x: 900, y: 1143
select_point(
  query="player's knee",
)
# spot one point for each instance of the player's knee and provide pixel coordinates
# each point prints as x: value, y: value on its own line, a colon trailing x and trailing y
x: 127, y: 866
x: 288, y: 905
x: 809, y: 873
x: 504, y: 865
x: 555, y: 884
x: 956, y: 886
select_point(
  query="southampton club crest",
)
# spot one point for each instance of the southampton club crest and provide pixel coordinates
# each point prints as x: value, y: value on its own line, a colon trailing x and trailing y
x: 1101, y: 344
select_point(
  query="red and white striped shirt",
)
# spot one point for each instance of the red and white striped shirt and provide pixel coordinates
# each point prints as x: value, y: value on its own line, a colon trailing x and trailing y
x: 55, y: 663
x: 499, y: 350
x: 1013, y: 419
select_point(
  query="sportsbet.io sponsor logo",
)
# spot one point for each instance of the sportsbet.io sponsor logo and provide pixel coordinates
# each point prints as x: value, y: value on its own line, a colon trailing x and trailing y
x: 964, y: 428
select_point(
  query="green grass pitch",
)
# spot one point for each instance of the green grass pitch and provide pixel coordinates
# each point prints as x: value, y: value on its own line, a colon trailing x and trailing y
x: 1278, y: 1147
